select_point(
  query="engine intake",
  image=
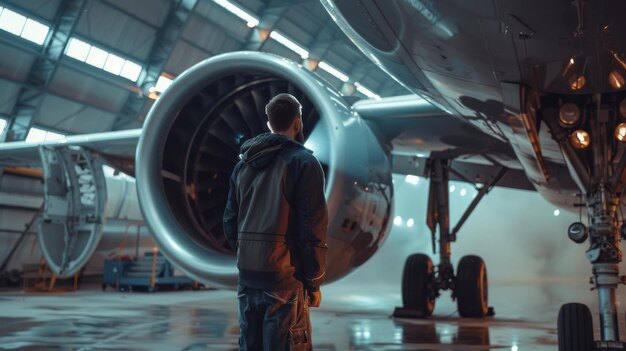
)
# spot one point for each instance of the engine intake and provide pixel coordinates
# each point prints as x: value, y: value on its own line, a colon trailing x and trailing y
x: 190, y: 144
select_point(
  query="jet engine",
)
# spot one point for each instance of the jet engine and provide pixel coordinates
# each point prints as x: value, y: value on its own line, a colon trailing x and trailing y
x: 191, y: 140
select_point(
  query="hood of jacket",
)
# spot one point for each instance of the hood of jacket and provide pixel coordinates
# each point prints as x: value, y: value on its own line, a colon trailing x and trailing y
x: 261, y: 150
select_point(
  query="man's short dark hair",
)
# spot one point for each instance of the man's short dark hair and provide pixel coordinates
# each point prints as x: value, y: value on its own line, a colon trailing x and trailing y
x: 282, y: 110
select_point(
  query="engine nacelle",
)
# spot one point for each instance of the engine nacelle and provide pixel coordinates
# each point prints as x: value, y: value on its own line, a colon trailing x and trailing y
x: 190, y: 144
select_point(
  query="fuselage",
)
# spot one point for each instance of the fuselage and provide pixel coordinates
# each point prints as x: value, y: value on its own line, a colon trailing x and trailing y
x: 505, y: 68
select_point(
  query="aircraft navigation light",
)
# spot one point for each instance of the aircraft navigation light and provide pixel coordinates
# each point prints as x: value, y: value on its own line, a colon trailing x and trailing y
x: 580, y: 139
x: 620, y: 132
x: 616, y: 80
x: 569, y: 114
x: 577, y: 82
x: 622, y: 108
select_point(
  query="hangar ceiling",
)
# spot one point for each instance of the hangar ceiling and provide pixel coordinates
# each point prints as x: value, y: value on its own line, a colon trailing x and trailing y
x: 85, y: 66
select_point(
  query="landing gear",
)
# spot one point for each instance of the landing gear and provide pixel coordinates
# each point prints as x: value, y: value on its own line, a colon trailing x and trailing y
x: 417, y: 289
x: 471, y: 284
x: 421, y: 282
x: 575, y: 328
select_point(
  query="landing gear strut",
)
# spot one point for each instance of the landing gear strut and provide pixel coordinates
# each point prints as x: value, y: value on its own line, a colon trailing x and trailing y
x: 575, y: 326
x: 598, y: 168
x: 422, y: 282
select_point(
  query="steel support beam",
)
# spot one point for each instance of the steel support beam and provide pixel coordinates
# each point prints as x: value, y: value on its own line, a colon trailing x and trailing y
x: 63, y: 97
x: 270, y: 16
x: 29, y: 100
x: 166, y: 39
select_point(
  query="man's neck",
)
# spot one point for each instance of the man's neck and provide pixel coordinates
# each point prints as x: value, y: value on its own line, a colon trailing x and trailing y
x: 287, y: 135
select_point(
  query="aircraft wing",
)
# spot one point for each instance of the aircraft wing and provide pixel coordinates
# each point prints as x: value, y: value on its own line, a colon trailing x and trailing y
x: 415, y: 130
x: 115, y: 147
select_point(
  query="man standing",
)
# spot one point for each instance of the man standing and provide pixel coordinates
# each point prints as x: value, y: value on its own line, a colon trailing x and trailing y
x: 276, y: 218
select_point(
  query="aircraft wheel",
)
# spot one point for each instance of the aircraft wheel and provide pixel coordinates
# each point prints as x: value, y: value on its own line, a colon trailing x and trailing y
x: 416, y: 294
x: 471, y: 287
x: 575, y: 328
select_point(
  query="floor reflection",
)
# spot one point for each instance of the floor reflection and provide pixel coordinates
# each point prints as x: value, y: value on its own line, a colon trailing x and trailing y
x: 431, y: 333
x: 207, y: 320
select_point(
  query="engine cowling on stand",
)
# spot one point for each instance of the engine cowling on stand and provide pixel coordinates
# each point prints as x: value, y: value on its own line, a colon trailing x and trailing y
x: 190, y: 144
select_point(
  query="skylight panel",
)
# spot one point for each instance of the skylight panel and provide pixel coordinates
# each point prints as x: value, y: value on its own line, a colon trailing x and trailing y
x: 35, y: 31
x: 114, y: 64
x: 251, y: 20
x: 130, y: 70
x: 78, y: 49
x: 290, y: 44
x: 103, y: 59
x: 12, y: 22
x: 53, y: 136
x: 97, y: 57
x: 332, y: 70
x: 162, y: 84
x: 36, y: 135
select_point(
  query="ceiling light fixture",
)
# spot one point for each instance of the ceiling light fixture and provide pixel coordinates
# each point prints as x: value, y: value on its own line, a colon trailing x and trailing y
x: 333, y: 71
x: 251, y: 21
x: 290, y: 44
x: 363, y: 90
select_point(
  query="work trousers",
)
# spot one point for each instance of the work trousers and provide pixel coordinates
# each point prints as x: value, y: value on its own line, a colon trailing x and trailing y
x: 274, y: 320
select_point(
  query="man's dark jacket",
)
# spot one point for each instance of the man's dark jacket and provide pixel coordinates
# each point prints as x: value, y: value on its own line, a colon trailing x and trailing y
x: 276, y: 216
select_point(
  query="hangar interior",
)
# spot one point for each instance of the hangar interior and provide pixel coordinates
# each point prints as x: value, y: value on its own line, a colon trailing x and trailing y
x: 73, y: 67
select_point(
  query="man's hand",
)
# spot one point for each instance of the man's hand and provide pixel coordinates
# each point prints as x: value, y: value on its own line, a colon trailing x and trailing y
x: 315, y: 297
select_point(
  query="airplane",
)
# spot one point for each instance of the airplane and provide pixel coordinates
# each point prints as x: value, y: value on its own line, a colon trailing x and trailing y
x: 193, y: 134
x: 503, y: 96
x: 547, y: 78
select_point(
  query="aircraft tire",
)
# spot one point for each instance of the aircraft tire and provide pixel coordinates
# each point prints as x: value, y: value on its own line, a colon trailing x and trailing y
x: 418, y: 270
x: 575, y: 328
x: 471, y: 287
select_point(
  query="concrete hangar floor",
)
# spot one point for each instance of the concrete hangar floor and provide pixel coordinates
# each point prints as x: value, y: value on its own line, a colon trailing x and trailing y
x: 533, y: 269
x: 351, y: 319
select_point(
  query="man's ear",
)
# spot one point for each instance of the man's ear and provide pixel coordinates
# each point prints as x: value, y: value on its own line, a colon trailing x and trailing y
x: 298, y: 125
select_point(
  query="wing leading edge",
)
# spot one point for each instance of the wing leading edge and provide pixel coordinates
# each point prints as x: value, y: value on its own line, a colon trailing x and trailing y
x: 119, y: 145
x: 415, y: 131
